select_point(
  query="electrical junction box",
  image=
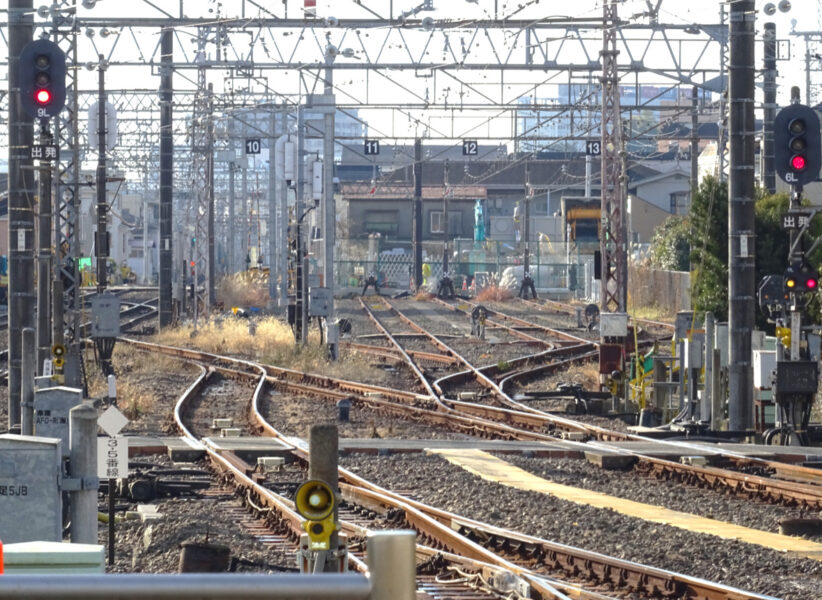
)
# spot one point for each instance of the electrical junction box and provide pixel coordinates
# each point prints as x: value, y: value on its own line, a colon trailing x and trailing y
x: 332, y: 333
x: 613, y: 325
x: 695, y: 351
x: 796, y: 377
x: 105, y: 316
x: 683, y: 322
x: 319, y: 302
x: 722, y: 343
x: 31, y: 506
x: 51, y: 412
x: 764, y: 364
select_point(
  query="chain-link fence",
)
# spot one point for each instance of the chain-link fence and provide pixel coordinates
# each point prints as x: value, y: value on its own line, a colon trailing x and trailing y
x: 552, y: 265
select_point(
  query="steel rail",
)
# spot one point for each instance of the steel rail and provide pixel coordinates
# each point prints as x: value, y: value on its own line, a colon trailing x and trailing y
x: 769, y: 489
x: 429, y: 527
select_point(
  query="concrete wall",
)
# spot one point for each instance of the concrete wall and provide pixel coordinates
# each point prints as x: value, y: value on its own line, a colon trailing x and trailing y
x: 670, y: 290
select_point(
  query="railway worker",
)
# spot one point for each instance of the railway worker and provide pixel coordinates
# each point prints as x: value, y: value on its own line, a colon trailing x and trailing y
x: 445, y: 289
x: 371, y: 280
x: 478, y: 318
x: 426, y: 273
x: 527, y: 284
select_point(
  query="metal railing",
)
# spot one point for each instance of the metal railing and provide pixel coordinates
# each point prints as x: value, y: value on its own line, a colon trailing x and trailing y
x: 390, y: 561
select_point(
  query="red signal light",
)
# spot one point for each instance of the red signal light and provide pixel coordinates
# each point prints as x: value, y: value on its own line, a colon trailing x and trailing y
x: 42, y: 96
x: 192, y: 264
x: 810, y: 284
x: 798, y: 163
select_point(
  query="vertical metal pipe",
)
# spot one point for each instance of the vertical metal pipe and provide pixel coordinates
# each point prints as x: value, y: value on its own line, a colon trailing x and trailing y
x: 44, y: 257
x: 101, y: 242
x: 21, y: 218
x: 166, y: 177
x: 392, y: 565
x: 28, y: 371
x: 769, y: 108
x: 83, y: 461
x: 299, y: 208
x: 741, y: 244
x: 416, y: 233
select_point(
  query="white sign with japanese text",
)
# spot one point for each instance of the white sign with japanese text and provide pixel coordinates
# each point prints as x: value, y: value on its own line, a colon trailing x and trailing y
x: 112, y: 457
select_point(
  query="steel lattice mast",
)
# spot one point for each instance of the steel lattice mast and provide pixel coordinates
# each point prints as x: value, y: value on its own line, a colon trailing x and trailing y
x: 612, y: 237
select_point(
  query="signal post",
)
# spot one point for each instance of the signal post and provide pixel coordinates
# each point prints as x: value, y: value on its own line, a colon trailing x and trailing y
x: 798, y: 159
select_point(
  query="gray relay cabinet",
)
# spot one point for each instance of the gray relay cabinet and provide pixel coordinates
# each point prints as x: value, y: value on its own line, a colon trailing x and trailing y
x: 51, y: 412
x: 31, y: 506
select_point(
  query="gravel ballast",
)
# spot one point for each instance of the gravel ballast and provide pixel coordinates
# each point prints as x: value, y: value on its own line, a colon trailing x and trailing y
x: 745, y: 566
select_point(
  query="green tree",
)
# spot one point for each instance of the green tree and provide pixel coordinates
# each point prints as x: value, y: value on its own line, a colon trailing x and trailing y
x: 670, y: 246
x: 708, y: 239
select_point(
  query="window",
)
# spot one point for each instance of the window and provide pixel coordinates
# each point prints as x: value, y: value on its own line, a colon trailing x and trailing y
x: 436, y: 221
x: 454, y: 222
x: 680, y: 203
x: 382, y: 221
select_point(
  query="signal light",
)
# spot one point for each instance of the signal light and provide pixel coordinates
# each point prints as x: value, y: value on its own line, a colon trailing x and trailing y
x: 42, y: 70
x: 801, y: 277
x: 797, y: 144
x: 192, y: 264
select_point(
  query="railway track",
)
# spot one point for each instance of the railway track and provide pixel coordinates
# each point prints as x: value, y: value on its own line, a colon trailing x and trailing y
x: 461, y: 544
x: 500, y: 423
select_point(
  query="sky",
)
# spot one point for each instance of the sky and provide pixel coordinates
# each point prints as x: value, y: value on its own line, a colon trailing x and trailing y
x: 392, y: 87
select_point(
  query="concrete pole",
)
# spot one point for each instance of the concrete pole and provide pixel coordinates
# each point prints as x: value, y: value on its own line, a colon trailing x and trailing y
x: 392, y: 564
x: 416, y: 232
x: 323, y: 448
x: 166, y: 312
x: 231, y: 230
x: 329, y: 204
x: 769, y: 108
x: 284, y: 241
x: 21, y: 191
x: 83, y: 460
x: 28, y: 372
x: 741, y: 238
x: 694, y: 138
x: 272, y: 213
x: 211, y: 273
x: 101, y: 241
x: 526, y: 217
x: 446, y: 192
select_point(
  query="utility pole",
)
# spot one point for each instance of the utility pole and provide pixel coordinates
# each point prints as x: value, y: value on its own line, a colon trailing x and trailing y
x: 722, y: 140
x: 211, y: 292
x: 101, y: 242
x: 741, y: 235
x: 166, y: 314
x: 416, y: 233
x: 526, y: 217
x: 232, y: 168
x: 329, y: 204
x: 446, y: 193
x: 769, y: 108
x: 612, y: 242
x: 694, y: 139
x: 21, y: 217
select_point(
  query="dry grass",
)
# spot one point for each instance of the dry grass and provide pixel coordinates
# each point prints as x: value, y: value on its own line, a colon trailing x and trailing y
x: 248, y: 288
x: 585, y: 374
x: 494, y: 293
x: 423, y: 296
x: 272, y: 343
